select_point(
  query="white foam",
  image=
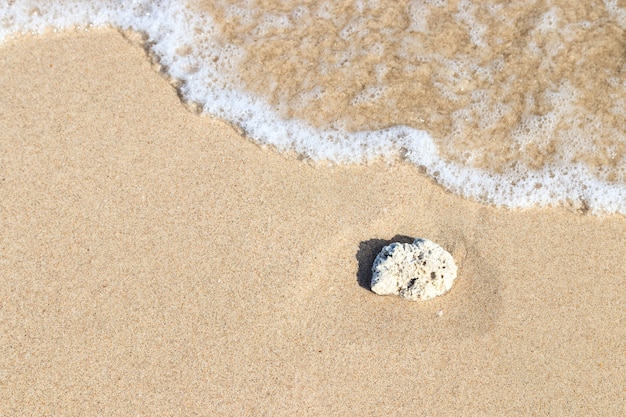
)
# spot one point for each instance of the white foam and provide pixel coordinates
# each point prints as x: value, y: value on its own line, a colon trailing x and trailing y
x: 370, y: 93
x: 419, y: 17
x: 172, y: 32
x: 476, y: 30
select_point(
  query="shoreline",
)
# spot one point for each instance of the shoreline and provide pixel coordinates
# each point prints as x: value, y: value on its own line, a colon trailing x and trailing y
x: 154, y: 261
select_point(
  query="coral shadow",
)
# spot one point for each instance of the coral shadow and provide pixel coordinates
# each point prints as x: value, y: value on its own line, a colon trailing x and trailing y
x: 368, y: 250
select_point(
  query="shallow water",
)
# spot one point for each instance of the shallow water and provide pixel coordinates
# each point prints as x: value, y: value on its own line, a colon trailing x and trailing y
x: 512, y: 105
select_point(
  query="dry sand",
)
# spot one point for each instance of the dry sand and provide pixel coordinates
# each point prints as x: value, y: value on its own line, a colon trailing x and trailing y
x: 155, y: 262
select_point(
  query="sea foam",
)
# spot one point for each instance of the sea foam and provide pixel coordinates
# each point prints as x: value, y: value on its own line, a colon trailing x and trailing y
x: 191, y: 44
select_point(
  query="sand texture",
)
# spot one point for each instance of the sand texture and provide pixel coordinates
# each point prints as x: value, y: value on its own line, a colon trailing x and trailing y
x: 155, y: 262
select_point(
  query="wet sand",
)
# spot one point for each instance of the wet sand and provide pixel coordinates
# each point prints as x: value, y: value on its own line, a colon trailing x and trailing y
x: 155, y: 262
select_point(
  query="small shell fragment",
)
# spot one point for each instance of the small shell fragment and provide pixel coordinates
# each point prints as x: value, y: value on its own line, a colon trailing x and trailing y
x: 416, y: 271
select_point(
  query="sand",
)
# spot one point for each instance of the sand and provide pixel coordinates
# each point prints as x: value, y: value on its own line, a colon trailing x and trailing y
x: 155, y: 262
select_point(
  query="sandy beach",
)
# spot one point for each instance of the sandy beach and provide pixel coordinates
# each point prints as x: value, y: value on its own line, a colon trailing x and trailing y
x: 153, y: 261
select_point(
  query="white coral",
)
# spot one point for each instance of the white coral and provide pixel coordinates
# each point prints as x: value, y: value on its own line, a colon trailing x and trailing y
x: 418, y: 271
